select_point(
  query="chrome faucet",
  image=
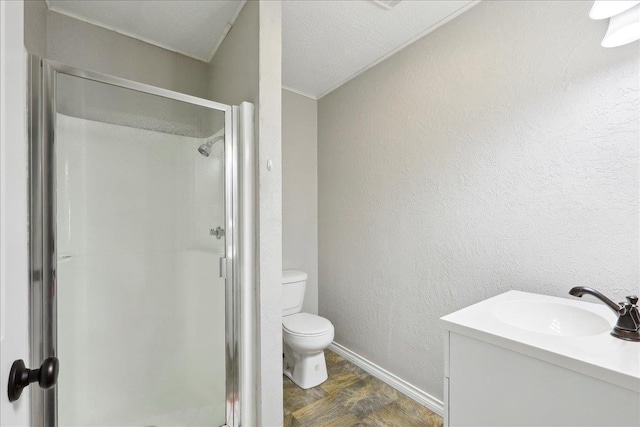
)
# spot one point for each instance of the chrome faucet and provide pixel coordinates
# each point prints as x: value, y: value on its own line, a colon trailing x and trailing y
x: 628, y: 325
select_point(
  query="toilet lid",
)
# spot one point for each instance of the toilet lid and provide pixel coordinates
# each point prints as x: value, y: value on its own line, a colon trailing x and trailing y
x: 306, y: 324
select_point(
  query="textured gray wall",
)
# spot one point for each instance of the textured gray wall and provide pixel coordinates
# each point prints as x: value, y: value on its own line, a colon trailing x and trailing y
x: 233, y: 70
x: 499, y: 152
x: 270, y: 212
x: 89, y: 47
x: 300, y: 191
x: 64, y: 39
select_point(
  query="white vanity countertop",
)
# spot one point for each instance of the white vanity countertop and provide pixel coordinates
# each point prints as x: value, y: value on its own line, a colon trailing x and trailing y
x: 600, y: 356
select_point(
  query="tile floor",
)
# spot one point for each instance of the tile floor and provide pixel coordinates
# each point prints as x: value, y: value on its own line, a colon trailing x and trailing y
x: 350, y: 398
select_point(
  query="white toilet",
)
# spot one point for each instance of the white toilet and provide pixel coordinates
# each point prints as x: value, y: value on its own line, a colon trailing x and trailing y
x: 305, y: 335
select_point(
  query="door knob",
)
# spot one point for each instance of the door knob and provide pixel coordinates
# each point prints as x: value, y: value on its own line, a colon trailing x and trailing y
x: 20, y: 376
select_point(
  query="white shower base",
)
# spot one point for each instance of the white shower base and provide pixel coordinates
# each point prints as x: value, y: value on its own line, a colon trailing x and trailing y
x: 187, y: 416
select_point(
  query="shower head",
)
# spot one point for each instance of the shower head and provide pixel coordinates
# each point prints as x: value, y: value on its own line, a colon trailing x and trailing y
x: 205, y: 149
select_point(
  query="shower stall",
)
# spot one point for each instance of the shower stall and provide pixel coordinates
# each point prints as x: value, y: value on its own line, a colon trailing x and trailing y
x: 137, y: 242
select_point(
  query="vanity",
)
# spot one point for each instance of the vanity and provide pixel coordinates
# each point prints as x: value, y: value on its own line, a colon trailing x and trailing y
x: 522, y: 359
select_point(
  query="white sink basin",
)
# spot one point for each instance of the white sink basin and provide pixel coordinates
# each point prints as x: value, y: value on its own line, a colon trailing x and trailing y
x: 571, y: 333
x: 551, y: 318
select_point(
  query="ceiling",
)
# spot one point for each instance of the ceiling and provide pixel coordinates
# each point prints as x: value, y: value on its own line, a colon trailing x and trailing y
x: 192, y: 27
x: 325, y: 42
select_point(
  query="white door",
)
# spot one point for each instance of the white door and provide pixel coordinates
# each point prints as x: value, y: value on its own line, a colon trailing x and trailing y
x: 14, y: 334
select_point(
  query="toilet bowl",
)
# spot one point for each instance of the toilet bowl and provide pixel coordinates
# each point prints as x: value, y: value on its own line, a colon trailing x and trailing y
x: 304, y: 335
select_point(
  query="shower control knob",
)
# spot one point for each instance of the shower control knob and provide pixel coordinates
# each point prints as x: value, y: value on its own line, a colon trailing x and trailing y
x: 218, y: 232
x: 632, y: 299
x: 20, y: 376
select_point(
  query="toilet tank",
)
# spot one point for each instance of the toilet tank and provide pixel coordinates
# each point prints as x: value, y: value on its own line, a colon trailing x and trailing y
x: 293, y: 285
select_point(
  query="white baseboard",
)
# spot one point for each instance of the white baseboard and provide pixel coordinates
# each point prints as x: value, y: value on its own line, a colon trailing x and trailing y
x: 420, y: 396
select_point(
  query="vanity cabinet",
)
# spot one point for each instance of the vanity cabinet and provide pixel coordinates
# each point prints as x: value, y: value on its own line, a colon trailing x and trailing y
x: 500, y: 375
x: 487, y: 385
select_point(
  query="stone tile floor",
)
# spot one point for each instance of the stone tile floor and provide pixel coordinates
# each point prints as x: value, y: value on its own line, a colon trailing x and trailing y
x: 352, y: 398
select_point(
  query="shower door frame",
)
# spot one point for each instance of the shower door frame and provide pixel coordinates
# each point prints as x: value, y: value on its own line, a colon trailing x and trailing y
x: 42, y: 228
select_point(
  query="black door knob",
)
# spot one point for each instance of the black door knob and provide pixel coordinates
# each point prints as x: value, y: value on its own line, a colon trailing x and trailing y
x: 20, y: 376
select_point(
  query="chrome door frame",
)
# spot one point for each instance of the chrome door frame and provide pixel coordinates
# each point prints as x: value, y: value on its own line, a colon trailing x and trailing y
x: 42, y: 227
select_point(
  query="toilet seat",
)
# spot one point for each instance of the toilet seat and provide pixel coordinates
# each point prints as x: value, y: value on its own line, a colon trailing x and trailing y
x: 305, y: 324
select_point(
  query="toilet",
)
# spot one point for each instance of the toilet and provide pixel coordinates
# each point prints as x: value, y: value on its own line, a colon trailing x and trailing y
x: 304, y: 335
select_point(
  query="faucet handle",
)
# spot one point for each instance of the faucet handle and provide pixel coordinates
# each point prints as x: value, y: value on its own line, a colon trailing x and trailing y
x: 632, y: 299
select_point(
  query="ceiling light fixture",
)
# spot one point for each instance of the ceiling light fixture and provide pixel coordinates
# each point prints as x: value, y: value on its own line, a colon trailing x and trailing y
x: 623, y: 28
x: 390, y: 4
x: 608, y: 8
x: 624, y: 21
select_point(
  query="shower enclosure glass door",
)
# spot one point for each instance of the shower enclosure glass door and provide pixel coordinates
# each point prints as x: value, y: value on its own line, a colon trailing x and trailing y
x: 135, y: 199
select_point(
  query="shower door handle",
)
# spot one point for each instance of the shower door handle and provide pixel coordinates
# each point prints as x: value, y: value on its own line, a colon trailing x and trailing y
x: 223, y: 267
x: 20, y: 376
